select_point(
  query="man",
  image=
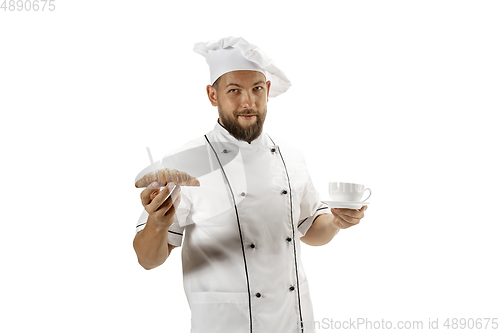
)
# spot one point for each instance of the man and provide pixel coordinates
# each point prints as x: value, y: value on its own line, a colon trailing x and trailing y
x: 242, y: 228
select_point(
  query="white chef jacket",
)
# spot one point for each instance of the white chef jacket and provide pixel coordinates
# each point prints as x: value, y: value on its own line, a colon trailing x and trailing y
x: 241, y: 251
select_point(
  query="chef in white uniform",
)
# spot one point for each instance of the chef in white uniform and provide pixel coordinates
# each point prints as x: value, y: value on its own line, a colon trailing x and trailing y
x: 241, y: 230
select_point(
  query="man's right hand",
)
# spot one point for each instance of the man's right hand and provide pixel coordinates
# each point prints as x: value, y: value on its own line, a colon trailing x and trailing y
x: 161, y: 211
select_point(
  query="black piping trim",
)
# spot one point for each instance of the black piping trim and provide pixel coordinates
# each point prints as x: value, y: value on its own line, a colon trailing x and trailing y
x: 316, y: 218
x: 293, y: 234
x: 241, y: 236
x: 300, y: 223
x: 177, y: 233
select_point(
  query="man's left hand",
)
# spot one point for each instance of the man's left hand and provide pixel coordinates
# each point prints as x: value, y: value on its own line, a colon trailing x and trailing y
x: 344, y: 218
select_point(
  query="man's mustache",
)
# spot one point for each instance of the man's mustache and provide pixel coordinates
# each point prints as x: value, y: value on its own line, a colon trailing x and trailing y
x: 245, y: 113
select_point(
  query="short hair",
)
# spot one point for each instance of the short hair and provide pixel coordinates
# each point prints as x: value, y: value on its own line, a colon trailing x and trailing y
x: 216, y: 84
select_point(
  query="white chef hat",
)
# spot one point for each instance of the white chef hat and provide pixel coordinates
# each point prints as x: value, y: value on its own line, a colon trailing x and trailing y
x: 235, y: 53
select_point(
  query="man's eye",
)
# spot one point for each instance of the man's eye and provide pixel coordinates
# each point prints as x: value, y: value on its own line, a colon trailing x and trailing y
x: 258, y: 88
x: 233, y: 90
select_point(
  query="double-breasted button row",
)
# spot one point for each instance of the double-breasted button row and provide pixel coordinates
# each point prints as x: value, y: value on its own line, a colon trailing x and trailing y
x: 242, y: 194
x: 259, y: 295
x: 273, y: 150
x: 288, y: 239
x: 282, y: 192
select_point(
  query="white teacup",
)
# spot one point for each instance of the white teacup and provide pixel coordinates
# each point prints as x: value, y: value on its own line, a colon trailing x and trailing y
x: 347, y: 192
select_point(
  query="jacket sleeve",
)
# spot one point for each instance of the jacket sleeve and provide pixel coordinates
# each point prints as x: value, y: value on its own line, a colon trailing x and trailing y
x: 310, y: 207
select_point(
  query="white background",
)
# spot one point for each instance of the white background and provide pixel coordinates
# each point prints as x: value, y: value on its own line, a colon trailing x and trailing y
x: 401, y: 96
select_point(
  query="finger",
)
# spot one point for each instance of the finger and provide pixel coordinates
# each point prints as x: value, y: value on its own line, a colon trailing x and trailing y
x: 364, y: 208
x: 153, y: 195
x: 165, y: 206
x: 146, y: 193
x: 164, y: 198
x: 177, y: 201
x: 342, y: 224
x: 355, y: 213
x: 159, y: 197
x: 348, y: 219
x: 168, y: 208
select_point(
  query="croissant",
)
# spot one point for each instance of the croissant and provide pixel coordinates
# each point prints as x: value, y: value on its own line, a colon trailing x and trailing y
x: 163, y: 176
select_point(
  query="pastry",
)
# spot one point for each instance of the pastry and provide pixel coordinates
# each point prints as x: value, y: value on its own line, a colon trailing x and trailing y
x: 164, y: 176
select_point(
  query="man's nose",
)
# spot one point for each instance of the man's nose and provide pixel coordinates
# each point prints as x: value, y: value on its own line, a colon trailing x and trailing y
x: 248, y: 100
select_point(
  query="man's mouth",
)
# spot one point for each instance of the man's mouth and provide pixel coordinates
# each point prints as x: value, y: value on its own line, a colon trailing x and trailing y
x: 247, y: 116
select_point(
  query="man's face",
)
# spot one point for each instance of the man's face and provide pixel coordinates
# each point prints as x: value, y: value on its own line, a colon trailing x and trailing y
x: 241, y: 98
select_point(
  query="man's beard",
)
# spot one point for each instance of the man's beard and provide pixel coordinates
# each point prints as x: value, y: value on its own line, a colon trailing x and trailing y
x: 247, y: 134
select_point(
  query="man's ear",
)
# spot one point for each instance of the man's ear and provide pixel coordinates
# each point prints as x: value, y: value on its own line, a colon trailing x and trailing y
x: 212, y: 95
x: 268, y: 83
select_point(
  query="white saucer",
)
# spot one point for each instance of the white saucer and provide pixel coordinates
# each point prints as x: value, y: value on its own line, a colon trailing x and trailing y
x: 345, y: 204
